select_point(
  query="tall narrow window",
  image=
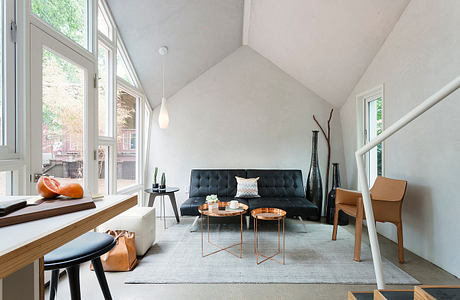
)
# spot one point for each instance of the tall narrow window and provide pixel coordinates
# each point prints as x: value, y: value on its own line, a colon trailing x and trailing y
x: 7, y: 81
x: 104, y: 100
x: 126, y: 139
x: 373, y: 127
x: 69, y: 17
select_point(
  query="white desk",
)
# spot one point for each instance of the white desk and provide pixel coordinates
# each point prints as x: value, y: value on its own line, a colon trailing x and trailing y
x: 22, y: 246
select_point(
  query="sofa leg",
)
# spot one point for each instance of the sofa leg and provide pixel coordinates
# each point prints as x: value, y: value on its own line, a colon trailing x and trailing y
x: 194, y: 222
x: 248, y: 220
x: 303, y: 224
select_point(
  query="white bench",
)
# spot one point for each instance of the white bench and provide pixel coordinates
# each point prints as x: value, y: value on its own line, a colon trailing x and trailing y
x: 141, y: 221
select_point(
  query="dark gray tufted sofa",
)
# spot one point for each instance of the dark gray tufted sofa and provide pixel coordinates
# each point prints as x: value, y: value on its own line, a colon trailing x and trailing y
x: 277, y: 188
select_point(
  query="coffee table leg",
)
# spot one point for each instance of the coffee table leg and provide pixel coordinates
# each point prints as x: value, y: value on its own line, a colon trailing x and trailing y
x: 202, y: 253
x: 284, y: 244
x: 279, y: 235
x: 241, y: 245
x: 217, y: 246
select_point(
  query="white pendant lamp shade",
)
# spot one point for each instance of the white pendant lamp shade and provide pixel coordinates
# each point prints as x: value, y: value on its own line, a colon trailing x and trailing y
x: 163, y: 118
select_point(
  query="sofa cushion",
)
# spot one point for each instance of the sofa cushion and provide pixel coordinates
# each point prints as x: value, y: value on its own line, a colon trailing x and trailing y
x: 190, y: 206
x: 246, y: 187
x: 294, y: 206
x: 279, y: 183
x: 214, y: 181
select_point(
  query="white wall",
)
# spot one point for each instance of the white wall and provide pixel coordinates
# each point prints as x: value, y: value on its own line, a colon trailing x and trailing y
x: 242, y: 113
x: 421, y: 54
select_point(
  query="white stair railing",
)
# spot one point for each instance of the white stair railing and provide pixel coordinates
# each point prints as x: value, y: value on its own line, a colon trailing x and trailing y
x: 364, y: 187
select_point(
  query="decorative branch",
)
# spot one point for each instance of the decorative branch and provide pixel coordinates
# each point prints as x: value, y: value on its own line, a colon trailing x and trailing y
x: 328, y: 140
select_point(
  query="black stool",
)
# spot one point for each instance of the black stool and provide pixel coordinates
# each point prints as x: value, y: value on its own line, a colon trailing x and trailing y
x: 89, y: 246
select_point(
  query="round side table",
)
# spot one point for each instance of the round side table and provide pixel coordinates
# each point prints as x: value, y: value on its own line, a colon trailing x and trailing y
x: 269, y: 214
x: 222, y: 211
x: 169, y: 191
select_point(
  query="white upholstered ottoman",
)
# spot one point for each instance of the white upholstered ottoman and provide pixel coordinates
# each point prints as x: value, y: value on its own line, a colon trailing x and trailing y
x: 140, y: 220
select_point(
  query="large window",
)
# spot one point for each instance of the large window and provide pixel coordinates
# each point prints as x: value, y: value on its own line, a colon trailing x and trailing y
x: 123, y: 112
x: 69, y: 17
x: 70, y: 134
x: 63, y: 118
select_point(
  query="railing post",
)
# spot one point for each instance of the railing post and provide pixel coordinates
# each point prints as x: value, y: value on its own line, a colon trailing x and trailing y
x: 375, y: 249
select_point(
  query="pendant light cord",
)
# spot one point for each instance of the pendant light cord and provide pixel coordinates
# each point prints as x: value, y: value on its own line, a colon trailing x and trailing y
x: 163, y: 75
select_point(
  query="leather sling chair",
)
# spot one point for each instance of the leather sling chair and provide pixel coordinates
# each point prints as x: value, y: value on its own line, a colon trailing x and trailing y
x: 387, y: 195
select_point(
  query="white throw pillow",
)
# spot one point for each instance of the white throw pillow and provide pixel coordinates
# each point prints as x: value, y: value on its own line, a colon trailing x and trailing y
x: 247, y: 187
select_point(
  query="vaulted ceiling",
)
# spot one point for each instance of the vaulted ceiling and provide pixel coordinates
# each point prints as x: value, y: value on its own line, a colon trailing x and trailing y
x: 326, y: 45
x: 198, y: 33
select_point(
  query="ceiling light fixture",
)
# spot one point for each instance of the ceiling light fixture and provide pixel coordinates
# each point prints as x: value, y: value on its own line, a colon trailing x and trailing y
x: 163, y: 118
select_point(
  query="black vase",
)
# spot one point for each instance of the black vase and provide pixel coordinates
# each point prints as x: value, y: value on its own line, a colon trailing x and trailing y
x: 314, y: 187
x: 343, y: 217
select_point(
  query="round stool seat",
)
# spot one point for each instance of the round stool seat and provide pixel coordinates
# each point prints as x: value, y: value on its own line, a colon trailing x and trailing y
x: 82, y: 249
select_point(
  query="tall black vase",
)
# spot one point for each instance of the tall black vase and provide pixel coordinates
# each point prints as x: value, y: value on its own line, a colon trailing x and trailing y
x: 314, y: 187
x: 343, y: 218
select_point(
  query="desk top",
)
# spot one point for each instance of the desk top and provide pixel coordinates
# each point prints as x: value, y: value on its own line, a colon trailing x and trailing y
x: 21, y: 244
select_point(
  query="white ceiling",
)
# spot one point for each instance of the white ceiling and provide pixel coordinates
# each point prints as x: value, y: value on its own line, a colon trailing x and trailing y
x: 326, y: 45
x: 198, y: 33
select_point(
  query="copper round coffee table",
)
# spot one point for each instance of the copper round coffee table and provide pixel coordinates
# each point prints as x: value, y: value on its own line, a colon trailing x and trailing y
x: 222, y: 212
x: 269, y: 214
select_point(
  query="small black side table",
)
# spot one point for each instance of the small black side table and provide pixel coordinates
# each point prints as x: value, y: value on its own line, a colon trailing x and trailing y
x: 169, y: 191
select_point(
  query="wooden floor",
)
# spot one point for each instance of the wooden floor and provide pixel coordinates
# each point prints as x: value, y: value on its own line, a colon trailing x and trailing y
x: 422, y: 270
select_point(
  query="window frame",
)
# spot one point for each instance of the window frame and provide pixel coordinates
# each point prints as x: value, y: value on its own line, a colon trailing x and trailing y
x: 116, y: 46
x: 9, y: 100
x: 362, y: 101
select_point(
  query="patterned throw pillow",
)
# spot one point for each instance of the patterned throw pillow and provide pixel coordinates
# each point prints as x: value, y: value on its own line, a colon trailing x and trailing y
x: 247, y: 187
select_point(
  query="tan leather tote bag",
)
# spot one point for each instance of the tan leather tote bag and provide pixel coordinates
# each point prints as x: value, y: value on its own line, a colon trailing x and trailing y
x: 122, y: 257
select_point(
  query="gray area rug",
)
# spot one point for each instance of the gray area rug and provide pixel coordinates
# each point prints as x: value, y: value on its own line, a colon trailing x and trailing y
x: 311, y: 257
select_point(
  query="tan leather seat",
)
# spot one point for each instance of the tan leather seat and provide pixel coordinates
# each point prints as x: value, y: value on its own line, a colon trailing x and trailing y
x: 387, y: 195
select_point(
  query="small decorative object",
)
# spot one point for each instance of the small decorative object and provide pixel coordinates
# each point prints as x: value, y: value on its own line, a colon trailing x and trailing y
x: 213, y: 202
x: 314, y: 187
x: 328, y: 141
x: 163, y: 182
x: 343, y: 218
x: 155, y: 184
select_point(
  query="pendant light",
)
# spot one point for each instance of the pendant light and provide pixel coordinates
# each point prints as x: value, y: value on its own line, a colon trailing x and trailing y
x: 163, y: 118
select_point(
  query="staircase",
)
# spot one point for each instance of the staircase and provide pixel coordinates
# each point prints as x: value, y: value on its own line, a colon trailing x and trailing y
x: 422, y: 292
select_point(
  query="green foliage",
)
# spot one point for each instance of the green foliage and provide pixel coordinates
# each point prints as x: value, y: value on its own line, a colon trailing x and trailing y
x: 66, y: 16
x: 163, y: 179
x: 50, y: 119
x: 155, y: 175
